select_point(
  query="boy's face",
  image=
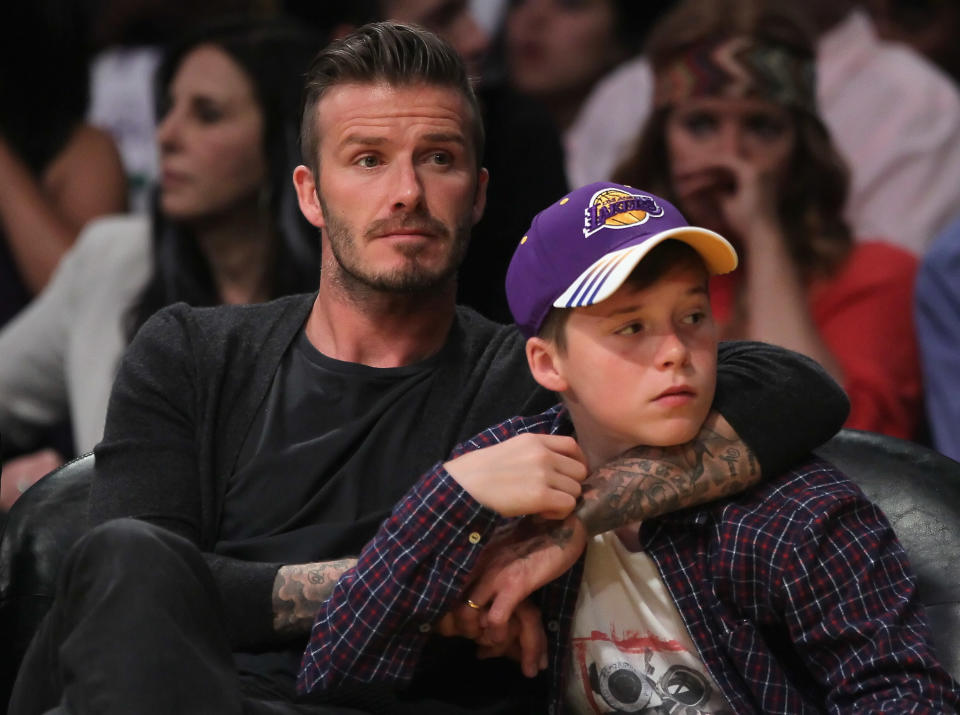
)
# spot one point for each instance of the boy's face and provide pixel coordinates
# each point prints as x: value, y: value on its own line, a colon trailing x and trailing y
x: 640, y: 367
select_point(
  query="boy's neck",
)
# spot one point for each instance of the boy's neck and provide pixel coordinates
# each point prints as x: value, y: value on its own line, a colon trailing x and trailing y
x: 596, y: 444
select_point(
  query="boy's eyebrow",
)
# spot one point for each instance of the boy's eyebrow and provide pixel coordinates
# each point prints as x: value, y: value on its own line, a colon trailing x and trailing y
x: 695, y: 290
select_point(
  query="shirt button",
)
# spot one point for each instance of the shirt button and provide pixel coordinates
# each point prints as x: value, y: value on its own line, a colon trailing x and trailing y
x: 424, y: 627
x: 553, y: 626
x: 474, y: 537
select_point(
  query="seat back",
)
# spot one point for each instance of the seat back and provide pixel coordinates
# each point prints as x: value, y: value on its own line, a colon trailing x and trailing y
x: 41, y: 527
x: 919, y: 491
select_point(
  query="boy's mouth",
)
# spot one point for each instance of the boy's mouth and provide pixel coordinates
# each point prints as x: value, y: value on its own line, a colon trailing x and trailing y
x: 676, y: 395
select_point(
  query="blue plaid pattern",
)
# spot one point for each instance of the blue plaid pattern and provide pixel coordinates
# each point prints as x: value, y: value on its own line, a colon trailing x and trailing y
x: 797, y: 594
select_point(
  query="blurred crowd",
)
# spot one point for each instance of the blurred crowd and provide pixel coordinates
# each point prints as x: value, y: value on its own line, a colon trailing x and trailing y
x: 146, y: 150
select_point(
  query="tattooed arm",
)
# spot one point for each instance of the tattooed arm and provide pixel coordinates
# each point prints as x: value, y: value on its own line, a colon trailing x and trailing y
x: 640, y: 484
x: 646, y: 482
x: 300, y: 589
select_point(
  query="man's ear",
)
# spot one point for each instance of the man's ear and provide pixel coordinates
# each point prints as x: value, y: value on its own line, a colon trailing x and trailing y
x: 306, y: 187
x: 480, y: 199
x: 546, y: 364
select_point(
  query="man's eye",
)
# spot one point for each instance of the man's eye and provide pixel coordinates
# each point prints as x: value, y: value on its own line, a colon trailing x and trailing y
x: 441, y: 157
x: 368, y: 162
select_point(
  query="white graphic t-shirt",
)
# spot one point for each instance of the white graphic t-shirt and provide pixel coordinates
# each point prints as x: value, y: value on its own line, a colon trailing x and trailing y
x: 631, y: 652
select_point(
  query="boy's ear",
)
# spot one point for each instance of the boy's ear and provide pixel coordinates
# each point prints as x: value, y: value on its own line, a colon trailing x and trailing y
x: 545, y: 364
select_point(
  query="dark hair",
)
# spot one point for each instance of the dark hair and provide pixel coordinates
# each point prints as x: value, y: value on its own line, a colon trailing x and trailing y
x: 273, y: 55
x: 390, y: 52
x: 662, y: 258
x: 811, y: 207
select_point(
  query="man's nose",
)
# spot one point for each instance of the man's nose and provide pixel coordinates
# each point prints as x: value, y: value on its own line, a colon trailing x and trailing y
x: 407, y: 186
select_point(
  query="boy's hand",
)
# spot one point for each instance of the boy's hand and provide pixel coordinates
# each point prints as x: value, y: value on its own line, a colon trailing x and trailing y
x: 526, y: 474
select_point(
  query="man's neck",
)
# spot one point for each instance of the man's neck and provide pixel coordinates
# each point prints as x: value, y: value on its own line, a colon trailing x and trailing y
x: 380, y: 329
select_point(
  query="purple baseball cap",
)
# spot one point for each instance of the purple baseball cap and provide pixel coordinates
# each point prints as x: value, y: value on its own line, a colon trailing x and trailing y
x: 579, y: 250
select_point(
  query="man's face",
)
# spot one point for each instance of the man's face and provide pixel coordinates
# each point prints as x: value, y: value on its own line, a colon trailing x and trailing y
x: 398, y: 184
x: 640, y: 367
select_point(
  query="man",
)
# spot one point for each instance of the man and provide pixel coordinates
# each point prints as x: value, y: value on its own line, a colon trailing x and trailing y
x: 274, y: 439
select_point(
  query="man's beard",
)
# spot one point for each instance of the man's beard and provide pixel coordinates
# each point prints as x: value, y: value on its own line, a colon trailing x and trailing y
x: 413, y: 276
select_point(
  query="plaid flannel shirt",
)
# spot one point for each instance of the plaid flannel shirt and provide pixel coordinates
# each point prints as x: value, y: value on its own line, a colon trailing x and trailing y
x: 796, y: 593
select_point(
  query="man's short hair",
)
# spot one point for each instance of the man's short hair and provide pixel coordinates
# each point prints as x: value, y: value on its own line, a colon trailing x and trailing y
x: 655, y: 264
x: 393, y: 53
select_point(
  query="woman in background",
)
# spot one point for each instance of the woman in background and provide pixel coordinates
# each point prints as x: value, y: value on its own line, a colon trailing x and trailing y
x: 225, y: 229
x: 736, y: 142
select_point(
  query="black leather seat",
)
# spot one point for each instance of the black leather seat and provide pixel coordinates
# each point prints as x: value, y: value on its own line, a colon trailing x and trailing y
x: 919, y: 491
x: 41, y: 527
x: 917, y: 488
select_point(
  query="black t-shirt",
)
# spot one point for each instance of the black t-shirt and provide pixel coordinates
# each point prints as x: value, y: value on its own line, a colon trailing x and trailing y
x: 327, y: 457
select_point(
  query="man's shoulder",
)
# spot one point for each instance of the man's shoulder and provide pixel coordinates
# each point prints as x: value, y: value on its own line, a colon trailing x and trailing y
x: 228, y: 332
x: 225, y: 319
x: 477, y: 334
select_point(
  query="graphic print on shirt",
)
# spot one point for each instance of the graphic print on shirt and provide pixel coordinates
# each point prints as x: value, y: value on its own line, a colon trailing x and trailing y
x: 629, y: 675
x: 631, y: 652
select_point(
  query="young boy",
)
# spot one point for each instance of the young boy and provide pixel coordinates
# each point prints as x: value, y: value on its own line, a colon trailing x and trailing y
x: 792, y: 597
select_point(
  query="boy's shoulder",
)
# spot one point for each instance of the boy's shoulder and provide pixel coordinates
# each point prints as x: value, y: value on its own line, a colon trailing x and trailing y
x: 806, y: 495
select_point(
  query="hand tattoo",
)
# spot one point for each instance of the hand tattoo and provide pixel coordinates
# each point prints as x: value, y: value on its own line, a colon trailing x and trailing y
x: 648, y: 481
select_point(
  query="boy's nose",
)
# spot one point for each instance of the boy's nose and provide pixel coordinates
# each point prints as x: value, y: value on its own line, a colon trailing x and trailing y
x: 672, y: 351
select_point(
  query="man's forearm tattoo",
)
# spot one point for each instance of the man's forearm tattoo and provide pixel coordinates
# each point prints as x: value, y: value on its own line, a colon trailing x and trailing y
x: 648, y: 481
x: 300, y: 589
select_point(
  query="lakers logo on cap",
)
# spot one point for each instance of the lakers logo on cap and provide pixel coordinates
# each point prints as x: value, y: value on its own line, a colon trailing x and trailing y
x: 615, y: 208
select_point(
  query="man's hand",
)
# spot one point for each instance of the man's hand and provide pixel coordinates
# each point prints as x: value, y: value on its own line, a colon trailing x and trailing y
x: 525, y: 641
x: 526, y: 474
x: 524, y: 557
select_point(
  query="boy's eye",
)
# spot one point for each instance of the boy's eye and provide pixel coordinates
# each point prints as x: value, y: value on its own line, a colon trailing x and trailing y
x: 630, y: 329
x: 694, y: 318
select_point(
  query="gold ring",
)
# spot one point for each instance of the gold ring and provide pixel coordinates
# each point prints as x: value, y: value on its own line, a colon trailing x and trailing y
x: 472, y: 604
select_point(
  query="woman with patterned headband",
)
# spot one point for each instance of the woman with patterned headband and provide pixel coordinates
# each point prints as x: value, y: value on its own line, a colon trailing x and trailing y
x: 737, y: 143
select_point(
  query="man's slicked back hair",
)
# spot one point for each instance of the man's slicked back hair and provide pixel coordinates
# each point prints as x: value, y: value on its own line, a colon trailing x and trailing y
x: 391, y: 53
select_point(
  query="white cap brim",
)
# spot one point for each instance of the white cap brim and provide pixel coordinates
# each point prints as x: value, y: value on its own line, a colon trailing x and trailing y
x: 606, y: 275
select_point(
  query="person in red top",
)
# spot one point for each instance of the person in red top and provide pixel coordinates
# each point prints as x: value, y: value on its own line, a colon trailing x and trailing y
x: 737, y: 143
